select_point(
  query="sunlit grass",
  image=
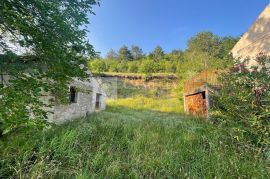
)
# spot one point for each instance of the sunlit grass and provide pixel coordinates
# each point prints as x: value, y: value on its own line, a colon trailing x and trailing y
x: 128, y: 143
x: 169, y: 105
x: 142, y: 136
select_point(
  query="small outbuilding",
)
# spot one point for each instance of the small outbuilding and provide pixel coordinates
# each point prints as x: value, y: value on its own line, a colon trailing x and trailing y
x: 197, y: 93
x: 256, y: 41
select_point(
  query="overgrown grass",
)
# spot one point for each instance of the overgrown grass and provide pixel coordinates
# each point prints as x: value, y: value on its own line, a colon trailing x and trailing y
x: 128, y: 143
x: 163, y: 98
x: 141, y: 137
x: 169, y: 105
x: 139, y: 74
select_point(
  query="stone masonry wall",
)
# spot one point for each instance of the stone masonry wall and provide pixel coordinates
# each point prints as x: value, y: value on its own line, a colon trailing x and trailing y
x: 85, y: 105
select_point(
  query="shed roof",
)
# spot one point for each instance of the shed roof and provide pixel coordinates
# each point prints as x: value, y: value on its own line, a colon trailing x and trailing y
x: 205, y: 78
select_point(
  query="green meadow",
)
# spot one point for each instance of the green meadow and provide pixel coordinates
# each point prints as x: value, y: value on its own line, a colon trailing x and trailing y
x: 135, y: 137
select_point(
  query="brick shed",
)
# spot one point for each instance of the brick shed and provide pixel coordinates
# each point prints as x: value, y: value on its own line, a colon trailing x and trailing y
x: 197, y: 93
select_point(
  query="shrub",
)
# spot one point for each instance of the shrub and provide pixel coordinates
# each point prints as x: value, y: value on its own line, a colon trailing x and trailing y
x: 112, y: 66
x: 132, y: 67
x: 243, y: 103
x: 148, y: 66
x: 97, y: 65
x: 122, y: 66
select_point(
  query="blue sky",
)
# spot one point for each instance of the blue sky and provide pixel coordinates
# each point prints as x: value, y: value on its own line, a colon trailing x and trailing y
x: 168, y: 23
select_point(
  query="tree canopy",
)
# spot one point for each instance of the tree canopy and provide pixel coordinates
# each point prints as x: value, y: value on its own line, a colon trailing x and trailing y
x: 205, y: 51
x: 124, y: 53
x: 158, y: 53
x: 52, y: 43
x: 136, y: 52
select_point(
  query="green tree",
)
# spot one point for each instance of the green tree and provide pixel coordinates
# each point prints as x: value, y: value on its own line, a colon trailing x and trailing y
x: 158, y: 53
x: 112, y: 66
x: 177, y: 53
x: 148, y: 66
x: 206, y: 42
x: 136, y: 52
x: 97, y: 65
x: 132, y: 67
x: 124, y: 53
x: 112, y: 55
x: 227, y: 45
x: 122, y: 67
x: 53, y: 34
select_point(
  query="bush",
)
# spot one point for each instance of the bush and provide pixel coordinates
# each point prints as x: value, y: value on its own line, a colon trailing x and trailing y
x: 122, y: 67
x: 97, y: 65
x: 132, y: 67
x: 112, y: 66
x: 243, y: 103
x: 148, y: 66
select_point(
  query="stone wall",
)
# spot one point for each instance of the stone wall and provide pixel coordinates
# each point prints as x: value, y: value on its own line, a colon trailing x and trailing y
x: 85, y: 103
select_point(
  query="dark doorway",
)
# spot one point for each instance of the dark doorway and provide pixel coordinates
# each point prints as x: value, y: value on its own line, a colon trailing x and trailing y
x: 98, y: 101
x: 73, y: 94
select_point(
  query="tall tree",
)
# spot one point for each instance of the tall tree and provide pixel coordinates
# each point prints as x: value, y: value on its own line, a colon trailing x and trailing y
x: 177, y: 54
x: 158, y: 53
x: 53, y: 34
x: 111, y: 55
x: 136, y: 52
x: 227, y: 44
x: 206, y: 42
x: 124, y: 53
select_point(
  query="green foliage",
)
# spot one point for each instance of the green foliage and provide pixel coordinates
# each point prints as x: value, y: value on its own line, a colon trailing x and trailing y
x: 111, y: 65
x: 143, y: 135
x: 158, y: 53
x: 124, y: 53
x: 205, y: 51
x: 132, y: 67
x: 127, y: 143
x: 206, y: 42
x: 122, y: 66
x: 136, y: 52
x: 148, y: 66
x: 111, y: 55
x: 243, y: 103
x: 53, y: 42
x: 211, y: 44
x: 97, y: 66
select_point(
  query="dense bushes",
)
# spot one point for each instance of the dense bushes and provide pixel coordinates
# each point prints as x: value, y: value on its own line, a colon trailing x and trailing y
x: 145, y: 65
x: 205, y: 50
x: 243, y: 103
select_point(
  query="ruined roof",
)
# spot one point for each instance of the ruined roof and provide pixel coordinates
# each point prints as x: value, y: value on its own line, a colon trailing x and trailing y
x: 209, y: 77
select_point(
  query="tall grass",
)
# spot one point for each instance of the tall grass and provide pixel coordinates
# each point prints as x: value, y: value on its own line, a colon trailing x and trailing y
x: 170, y: 105
x: 141, y: 137
x: 128, y: 143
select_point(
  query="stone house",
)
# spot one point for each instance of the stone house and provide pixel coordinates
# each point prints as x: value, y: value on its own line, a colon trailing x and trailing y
x: 85, y: 97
